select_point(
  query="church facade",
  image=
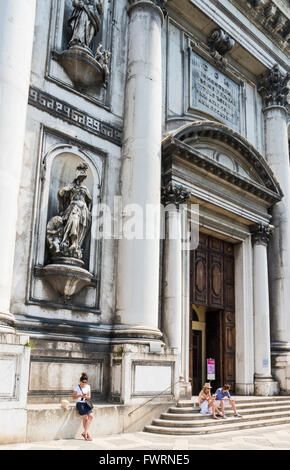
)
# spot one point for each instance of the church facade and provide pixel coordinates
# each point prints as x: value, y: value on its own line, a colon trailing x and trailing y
x: 145, y: 205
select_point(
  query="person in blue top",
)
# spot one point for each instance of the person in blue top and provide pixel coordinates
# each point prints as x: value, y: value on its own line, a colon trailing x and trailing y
x: 222, y: 395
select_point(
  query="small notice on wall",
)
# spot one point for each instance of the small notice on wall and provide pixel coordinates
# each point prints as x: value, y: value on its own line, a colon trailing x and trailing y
x: 210, y: 369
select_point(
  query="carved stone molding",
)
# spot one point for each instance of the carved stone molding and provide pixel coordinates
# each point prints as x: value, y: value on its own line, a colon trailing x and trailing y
x: 274, y: 88
x: 261, y: 234
x: 271, y: 17
x: 174, y: 194
x: 220, y: 43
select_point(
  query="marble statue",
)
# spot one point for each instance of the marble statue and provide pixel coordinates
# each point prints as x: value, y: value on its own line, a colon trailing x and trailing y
x: 85, y: 22
x: 66, y: 232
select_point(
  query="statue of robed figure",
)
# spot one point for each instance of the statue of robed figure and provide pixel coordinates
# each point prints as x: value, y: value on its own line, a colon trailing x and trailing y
x: 66, y: 232
x: 85, y: 22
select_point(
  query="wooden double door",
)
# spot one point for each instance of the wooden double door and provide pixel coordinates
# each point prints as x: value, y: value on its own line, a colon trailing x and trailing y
x: 212, y: 286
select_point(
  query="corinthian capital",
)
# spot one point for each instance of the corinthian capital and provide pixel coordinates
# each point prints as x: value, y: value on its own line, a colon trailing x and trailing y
x: 262, y: 233
x: 274, y: 87
x: 174, y: 194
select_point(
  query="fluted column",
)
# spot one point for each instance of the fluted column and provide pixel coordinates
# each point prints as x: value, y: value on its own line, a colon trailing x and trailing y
x: 17, y: 29
x: 138, y: 259
x: 274, y: 89
x: 264, y: 384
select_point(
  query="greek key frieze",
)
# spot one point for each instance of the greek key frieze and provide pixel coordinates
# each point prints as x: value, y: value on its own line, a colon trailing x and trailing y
x: 72, y: 115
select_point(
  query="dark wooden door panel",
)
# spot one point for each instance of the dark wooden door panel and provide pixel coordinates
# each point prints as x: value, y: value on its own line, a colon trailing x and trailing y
x: 196, y: 361
x: 216, y: 291
x: 212, y: 273
x: 212, y: 284
x: 229, y: 346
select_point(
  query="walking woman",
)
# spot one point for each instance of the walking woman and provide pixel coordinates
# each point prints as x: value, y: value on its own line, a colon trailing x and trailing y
x: 207, y: 403
x: 81, y: 393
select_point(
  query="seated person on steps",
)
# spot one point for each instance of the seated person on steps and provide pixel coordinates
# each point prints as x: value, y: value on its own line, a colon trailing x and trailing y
x: 207, y: 403
x: 223, y: 398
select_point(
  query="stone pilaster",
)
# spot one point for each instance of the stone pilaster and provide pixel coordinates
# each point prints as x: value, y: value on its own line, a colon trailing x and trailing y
x: 264, y: 384
x: 274, y: 89
x: 172, y: 323
x: 17, y: 26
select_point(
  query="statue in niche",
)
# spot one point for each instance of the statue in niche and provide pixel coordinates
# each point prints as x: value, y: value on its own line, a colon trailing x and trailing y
x: 86, y: 71
x: 66, y: 232
x: 85, y: 22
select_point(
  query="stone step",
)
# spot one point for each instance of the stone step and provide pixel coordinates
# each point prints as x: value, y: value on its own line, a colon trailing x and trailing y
x: 205, y: 429
x: 240, y: 406
x: 196, y: 414
x: 238, y: 400
x: 209, y: 421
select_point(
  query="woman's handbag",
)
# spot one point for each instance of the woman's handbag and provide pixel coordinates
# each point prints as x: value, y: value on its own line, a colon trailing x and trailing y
x: 87, y: 401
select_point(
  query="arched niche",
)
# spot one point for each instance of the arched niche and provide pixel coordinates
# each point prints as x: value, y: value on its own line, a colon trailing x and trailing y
x: 58, y: 170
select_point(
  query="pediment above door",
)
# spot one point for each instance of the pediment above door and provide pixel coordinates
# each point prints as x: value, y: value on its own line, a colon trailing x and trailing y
x: 217, y: 150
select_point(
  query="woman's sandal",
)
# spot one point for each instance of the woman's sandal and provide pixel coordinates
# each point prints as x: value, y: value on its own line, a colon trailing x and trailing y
x: 89, y: 438
x: 84, y: 436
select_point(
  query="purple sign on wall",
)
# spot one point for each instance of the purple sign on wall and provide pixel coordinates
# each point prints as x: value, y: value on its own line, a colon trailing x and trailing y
x: 210, y: 369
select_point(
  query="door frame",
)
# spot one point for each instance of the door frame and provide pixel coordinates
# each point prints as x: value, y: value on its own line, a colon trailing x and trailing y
x: 201, y: 326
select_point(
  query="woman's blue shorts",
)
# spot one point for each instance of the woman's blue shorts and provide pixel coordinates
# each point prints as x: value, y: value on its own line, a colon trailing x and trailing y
x: 83, y: 408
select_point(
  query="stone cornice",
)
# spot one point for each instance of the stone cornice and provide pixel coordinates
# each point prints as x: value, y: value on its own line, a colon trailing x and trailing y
x: 271, y: 17
x: 274, y: 88
x: 261, y: 234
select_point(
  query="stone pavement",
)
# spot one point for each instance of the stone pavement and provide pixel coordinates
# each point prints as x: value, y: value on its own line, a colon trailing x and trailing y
x: 264, y: 438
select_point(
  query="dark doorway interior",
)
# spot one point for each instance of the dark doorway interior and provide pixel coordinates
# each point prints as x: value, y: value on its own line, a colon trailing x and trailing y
x: 212, y: 286
x: 196, y: 361
x: 220, y: 345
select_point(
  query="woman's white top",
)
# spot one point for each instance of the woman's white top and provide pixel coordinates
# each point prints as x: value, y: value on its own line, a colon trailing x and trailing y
x: 84, y: 390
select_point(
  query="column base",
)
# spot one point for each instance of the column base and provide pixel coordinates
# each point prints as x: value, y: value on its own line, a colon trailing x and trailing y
x: 266, y: 386
x: 7, y: 323
x: 244, y: 389
x: 185, y: 389
x: 135, y: 334
x: 281, y: 369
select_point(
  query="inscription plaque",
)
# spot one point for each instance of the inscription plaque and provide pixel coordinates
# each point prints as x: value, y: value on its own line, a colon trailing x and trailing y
x: 213, y: 92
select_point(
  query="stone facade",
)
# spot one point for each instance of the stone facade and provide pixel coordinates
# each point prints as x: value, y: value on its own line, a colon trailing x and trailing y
x: 117, y: 106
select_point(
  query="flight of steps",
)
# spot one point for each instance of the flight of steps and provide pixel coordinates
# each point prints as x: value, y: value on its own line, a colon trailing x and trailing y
x: 184, y: 419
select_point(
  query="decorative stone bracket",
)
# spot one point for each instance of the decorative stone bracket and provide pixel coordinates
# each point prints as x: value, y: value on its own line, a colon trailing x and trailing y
x: 220, y: 43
